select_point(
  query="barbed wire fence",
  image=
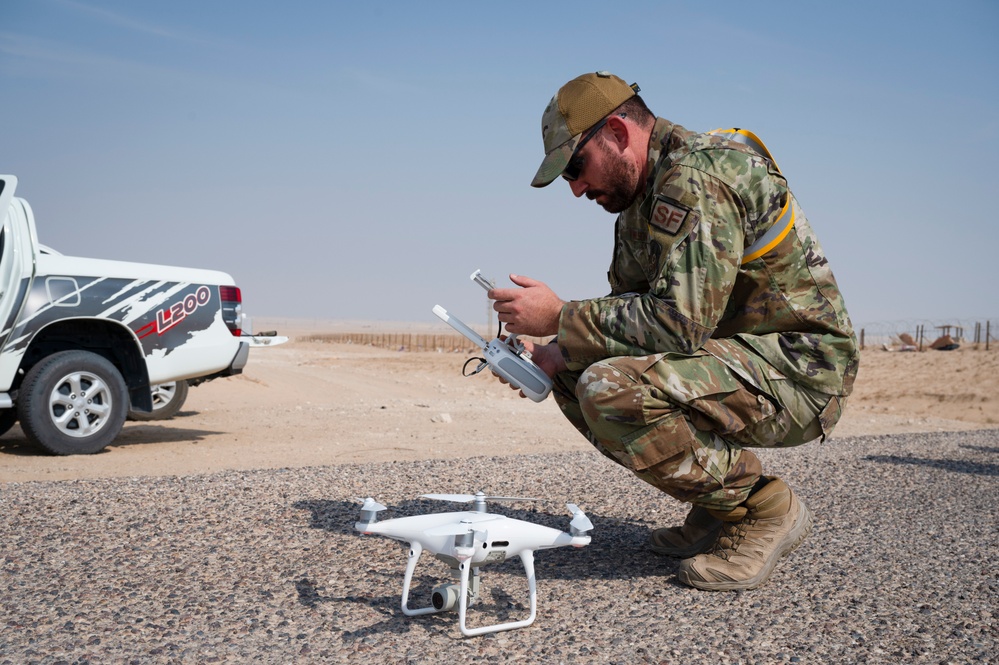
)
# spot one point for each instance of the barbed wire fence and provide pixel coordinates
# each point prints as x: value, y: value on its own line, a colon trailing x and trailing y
x: 401, y: 341
x: 976, y: 333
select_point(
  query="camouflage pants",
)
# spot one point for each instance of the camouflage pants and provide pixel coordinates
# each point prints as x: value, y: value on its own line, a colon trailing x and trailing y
x: 683, y: 422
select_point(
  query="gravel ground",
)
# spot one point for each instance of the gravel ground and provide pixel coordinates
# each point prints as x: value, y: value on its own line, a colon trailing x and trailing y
x: 264, y: 566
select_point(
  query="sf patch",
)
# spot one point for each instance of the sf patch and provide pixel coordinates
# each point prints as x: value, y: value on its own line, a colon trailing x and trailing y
x: 668, y: 215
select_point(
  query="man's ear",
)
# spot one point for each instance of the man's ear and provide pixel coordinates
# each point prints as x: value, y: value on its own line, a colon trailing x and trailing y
x: 620, y: 132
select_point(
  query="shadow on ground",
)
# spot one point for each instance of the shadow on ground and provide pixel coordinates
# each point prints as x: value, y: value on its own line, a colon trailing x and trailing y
x: 957, y: 466
x: 14, y: 442
x: 617, y: 550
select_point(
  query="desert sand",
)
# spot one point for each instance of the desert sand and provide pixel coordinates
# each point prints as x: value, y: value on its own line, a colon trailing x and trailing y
x: 310, y: 403
x: 193, y: 539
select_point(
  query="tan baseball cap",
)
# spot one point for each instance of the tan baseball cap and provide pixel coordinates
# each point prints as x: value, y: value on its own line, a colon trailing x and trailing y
x: 578, y: 105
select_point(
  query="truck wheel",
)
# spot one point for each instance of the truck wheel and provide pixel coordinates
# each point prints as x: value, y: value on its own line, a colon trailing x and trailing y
x: 72, y: 403
x: 167, y: 400
x: 7, y: 419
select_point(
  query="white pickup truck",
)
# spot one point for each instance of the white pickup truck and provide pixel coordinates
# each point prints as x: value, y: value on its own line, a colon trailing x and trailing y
x: 84, y: 341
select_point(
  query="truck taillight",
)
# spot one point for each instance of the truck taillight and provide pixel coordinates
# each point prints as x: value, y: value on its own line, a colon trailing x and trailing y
x: 232, y: 308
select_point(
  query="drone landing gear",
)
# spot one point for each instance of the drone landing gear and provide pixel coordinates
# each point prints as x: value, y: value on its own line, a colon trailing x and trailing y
x: 469, y: 582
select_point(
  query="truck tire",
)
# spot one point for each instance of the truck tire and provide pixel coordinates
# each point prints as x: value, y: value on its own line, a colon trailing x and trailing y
x: 167, y: 400
x: 73, y: 403
x: 7, y: 419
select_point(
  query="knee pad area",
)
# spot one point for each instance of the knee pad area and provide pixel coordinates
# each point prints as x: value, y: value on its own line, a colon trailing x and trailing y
x: 602, y: 382
x: 608, y: 395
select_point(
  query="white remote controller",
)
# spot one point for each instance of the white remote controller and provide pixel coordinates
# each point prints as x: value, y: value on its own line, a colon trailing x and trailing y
x: 506, y: 358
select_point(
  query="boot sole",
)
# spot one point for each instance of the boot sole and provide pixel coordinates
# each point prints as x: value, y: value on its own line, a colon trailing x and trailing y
x: 794, y: 538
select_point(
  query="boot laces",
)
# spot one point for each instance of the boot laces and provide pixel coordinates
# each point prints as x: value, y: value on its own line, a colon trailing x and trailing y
x: 732, y: 536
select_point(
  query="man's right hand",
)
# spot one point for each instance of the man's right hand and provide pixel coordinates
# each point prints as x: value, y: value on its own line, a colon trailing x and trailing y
x: 532, y: 309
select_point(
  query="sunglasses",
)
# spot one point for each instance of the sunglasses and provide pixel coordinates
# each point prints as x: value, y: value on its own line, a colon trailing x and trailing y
x: 576, y: 161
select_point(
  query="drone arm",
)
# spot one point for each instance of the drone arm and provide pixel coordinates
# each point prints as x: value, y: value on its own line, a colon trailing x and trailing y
x: 415, y: 550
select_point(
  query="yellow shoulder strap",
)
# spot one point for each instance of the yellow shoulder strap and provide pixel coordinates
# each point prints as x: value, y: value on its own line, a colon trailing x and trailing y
x: 785, y: 220
x: 746, y: 137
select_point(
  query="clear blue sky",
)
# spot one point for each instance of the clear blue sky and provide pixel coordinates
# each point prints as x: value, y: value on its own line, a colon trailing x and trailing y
x: 357, y: 160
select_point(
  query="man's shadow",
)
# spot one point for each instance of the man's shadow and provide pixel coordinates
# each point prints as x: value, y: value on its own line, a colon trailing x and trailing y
x: 955, y: 466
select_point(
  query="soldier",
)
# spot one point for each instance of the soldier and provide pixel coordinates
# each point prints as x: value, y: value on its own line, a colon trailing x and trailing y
x: 724, y: 329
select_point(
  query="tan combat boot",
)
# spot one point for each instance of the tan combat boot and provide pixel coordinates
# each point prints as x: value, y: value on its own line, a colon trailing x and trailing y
x: 766, y: 527
x: 697, y: 534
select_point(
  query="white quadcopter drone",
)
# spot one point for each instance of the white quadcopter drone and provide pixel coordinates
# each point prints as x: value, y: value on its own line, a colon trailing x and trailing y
x: 467, y: 541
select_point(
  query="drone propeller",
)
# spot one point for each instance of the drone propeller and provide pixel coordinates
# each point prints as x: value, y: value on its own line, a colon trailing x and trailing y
x: 479, y: 498
x: 370, y: 504
x: 370, y: 509
x: 465, y: 498
x: 580, y: 523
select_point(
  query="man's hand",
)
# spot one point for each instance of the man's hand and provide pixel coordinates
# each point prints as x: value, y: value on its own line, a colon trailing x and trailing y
x: 546, y: 356
x: 533, y: 309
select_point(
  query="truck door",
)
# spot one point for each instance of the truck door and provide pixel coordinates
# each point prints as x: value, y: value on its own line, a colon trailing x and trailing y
x: 16, y: 255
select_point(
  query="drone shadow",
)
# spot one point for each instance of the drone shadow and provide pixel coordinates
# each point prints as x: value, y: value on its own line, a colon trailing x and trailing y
x: 311, y: 596
x: 617, y: 551
x: 495, y: 606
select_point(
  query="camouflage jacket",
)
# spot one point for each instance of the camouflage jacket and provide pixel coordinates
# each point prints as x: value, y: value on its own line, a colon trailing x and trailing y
x: 677, y: 277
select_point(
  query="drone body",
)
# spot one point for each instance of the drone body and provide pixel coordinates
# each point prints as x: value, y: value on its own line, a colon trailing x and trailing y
x: 466, y: 541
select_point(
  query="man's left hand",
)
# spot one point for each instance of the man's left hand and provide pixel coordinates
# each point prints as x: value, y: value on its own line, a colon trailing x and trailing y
x: 546, y: 356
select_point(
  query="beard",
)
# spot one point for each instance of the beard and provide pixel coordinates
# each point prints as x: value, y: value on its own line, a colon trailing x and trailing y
x: 622, y: 183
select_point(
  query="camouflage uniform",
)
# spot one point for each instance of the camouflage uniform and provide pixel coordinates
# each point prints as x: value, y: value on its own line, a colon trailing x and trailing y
x: 696, y: 355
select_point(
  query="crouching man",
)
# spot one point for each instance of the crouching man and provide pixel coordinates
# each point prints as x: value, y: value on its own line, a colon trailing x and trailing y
x: 724, y: 329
